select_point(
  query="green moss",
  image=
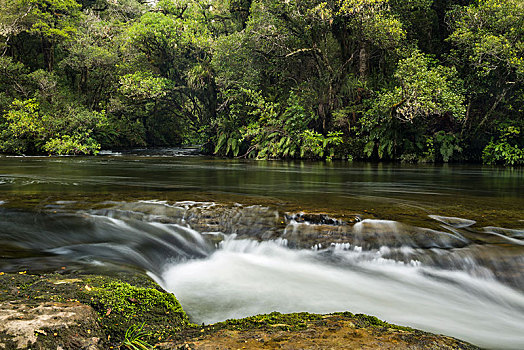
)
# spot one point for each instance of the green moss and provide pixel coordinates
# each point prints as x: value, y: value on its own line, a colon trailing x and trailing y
x: 28, y: 288
x: 121, y: 305
x: 121, y: 302
x: 299, y: 321
x: 365, y: 321
x: 274, y: 320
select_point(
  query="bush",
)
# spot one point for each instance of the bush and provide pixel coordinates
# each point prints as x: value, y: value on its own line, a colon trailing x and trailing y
x: 504, y: 148
x: 28, y: 129
x: 75, y: 144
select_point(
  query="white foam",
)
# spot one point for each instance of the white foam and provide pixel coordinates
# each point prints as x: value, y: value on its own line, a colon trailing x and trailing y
x: 246, y: 278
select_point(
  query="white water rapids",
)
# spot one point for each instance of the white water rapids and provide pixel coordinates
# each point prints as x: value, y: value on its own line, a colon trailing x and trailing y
x: 440, y: 281
x: 245, y: 278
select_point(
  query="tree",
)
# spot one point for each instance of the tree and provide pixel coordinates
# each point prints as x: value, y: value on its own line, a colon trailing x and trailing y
x: 372, y: 23
x: 173, y: 44
x: 426, y: 96
x: 51, y: 21
x: 489, y: 41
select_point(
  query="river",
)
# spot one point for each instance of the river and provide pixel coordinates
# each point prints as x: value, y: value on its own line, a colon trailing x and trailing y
x: 435, y: 247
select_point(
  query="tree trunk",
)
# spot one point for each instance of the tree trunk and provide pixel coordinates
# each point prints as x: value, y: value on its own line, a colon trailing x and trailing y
x: 48, y: 51
x: 363, y: 60
x: 83, y: 80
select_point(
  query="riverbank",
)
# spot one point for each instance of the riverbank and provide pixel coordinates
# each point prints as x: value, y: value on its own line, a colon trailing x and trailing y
x: 71, y: 310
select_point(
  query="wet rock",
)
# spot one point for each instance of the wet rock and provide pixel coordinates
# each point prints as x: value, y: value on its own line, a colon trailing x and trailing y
x: 509, y: 235
x: 301, y: 230
x: 143, y: 210
x: 314, y: 219
x: 247, y: 221
x: 370, y: 234
x: 376, y: 233
x: 453, y: 221
x: 252, y: 221
x: 305, y: 236
x: 310, y: 331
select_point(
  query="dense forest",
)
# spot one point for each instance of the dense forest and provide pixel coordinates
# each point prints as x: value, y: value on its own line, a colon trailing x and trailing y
x: 409, y: 80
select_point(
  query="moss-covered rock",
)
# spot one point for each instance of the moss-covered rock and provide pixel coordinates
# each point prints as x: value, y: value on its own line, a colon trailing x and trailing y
x: 310, y: 331
x: 117, y: 303
x: 122, y: 305
x: 274, y: 320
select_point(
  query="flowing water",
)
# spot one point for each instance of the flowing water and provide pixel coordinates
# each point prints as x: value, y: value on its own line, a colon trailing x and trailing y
x: 440, y: 248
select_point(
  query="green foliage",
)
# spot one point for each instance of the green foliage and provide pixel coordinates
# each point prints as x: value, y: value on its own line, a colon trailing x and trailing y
x: 506, y: 148
x: 422, y: 91
x: 75, y: 144
x: 316, y: 145
x: 381, y: 137
x: 13, y: 81
x: 53, y: 19
x: 234, y: 63
x: 425, y: 94
x: 275, y: 133
x: 374, y: 21
x: 414, y: 80
x: 272, y: 130
x: 449, y: 144
x: 144, y: 85
x: 28, y: 129
x: 488, y: 39
x: 228, y: 138
x: 492, y: 35
x: 166, y: 39
x: 168, y: 82
x: 92, y: 58
x: 128, y: 132
x: 24, y: 128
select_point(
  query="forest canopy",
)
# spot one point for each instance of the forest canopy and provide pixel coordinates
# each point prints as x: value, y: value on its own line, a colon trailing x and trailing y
x: 409, y: 80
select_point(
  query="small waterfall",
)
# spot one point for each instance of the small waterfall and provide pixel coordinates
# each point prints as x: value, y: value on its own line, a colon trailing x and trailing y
x: 98, y: 237
x: 245, y: 277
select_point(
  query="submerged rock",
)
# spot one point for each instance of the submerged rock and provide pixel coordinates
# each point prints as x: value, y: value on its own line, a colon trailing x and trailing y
x: 453, y: 221
x: 377, y: 233
x: 513, y: 236
x: 317, y: 219
x: 372, y: 234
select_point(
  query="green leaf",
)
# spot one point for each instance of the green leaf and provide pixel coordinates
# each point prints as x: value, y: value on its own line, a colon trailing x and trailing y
x: 368, y: 149
x: 221, y: 140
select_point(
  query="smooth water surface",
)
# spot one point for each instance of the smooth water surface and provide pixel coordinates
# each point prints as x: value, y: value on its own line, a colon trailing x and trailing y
x: 385, y: 190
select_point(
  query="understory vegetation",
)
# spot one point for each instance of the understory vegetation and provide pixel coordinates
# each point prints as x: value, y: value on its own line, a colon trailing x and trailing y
x: 409, y: 80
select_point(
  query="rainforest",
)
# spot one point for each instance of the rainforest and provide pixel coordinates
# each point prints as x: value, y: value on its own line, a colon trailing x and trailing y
x: 412, y: 81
